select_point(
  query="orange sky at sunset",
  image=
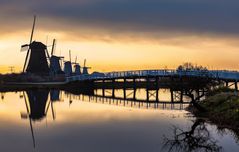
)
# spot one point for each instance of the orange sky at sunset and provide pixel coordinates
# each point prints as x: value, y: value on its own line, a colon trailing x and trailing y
x: 127, y: 52
x: 125, y: 35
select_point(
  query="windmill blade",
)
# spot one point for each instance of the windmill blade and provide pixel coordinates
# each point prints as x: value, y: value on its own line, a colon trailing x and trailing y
x: 47, y: 107
x: 70, y: 55
x: 24, y: 47
x: 87, y: 67
x: 53, y: 47
x: 33, y: 27
x: 53, y: 111
x: 24, y: 115
x: 47, y: 53
x: 84, y: 62
x: 28, y: 51
x: 26, y: 59
x: 76, y: 60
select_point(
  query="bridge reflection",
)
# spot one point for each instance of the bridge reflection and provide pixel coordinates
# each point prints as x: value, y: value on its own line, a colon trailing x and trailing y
x: 39, y: 102
x: 129, y: 102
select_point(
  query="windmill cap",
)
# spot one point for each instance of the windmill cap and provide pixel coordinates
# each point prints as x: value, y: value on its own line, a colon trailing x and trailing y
x: 37, y: 45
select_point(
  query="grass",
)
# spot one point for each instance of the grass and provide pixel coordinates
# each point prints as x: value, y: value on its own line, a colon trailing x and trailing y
x: 222, y: 108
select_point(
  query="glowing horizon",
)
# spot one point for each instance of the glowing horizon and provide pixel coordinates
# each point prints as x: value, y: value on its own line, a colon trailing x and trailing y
x: 128, y: 53
x: 125, y: 35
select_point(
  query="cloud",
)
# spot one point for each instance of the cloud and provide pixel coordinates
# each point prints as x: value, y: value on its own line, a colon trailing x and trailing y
x: 110, y: 19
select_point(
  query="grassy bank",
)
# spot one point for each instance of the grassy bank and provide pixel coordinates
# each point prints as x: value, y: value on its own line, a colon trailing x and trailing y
x: 222, y: 108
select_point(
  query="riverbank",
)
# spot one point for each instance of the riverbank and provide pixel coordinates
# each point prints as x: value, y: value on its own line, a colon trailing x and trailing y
x: 221, y: 108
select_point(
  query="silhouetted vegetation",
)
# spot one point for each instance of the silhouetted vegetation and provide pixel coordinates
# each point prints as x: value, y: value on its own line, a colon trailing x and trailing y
x: 24, y: 77
x: 190, y: 66
x: 222, y: 108
x: 197, y: 138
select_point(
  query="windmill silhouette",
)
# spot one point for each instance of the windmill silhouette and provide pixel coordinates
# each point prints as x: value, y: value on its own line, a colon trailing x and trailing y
x: 68, y: 66
x: 55, y: 67
x: 85, y: 68
x: 36, y: 57
x: 77, y: 67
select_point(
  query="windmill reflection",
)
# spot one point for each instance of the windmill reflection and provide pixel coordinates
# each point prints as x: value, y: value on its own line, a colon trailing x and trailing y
x: 198, y: 138
x: 37, y: 102
x: 37, y: 106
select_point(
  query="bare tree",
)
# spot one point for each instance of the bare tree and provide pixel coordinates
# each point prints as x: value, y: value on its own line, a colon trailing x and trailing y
x: 190, y: 66
x: 196, y: 139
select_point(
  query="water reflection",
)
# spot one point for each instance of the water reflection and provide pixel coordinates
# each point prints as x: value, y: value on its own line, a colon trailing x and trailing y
x: 55, y: 95
x: 37, y: 102
x: 37, y: 106
x: 197, y: 138
x: 110, y: 124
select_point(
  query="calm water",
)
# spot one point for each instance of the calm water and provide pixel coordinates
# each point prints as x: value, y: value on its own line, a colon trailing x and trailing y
x: 36, y: 121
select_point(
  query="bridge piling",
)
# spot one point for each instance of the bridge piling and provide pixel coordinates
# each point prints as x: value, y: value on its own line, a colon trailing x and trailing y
x: 135, y: 89
x: 172, y: 97
x: 113, y: 88
x: 181, y: 96
x: 157, y: 88
x: 147, y: 88
x: 134, y: 93
x: 103, y: 88
x: 236, y: 86
x: 124, y: 88
x: 226, y: 83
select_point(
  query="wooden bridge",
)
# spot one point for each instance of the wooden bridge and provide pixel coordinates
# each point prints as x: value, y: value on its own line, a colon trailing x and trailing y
x: 190, y: 83
x: 229, y: 76
x: 219, y: 75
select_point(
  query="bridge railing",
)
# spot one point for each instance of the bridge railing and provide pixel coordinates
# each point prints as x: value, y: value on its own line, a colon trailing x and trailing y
x: 224, y: 74
x: 216, y: 74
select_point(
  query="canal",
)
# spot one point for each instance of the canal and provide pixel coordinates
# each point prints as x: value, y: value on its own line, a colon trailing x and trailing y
x: 39, y: 120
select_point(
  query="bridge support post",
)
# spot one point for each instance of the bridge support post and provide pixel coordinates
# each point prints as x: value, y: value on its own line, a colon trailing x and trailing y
x: 172, y: 97
x: 124, y: 89
x: 113, y: 88
x: 147, y: 88
x: 157, y: 88
x: 181, y: 96
x: 157, y: 95
x: 103, y: 88
x: 134, y: 93
x: 226, y: 83
x: 124, y: 93
x: 236, y: 86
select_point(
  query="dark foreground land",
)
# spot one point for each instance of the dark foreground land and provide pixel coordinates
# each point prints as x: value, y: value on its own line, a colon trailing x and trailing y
x: 221, y: 107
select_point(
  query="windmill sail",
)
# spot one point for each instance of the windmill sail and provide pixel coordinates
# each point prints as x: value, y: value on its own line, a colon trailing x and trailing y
x: 24, y: 47
x: 28, y: 51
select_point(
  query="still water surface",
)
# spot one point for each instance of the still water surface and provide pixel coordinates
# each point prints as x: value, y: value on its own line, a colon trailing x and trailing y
x: 40, y: 122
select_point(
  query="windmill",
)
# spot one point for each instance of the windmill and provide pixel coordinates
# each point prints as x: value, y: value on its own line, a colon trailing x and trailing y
x: 68, y: 66
x: 77, y: 67
x: 36, y: 57
x: 85, y: 69
x: 55, y: 67
x: 37, y: 108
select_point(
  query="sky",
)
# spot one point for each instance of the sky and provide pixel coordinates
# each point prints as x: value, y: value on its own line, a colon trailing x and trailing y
x: 124, y: 34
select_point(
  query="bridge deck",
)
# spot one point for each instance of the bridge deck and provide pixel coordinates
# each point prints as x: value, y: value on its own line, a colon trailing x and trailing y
x: 232, y: 76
